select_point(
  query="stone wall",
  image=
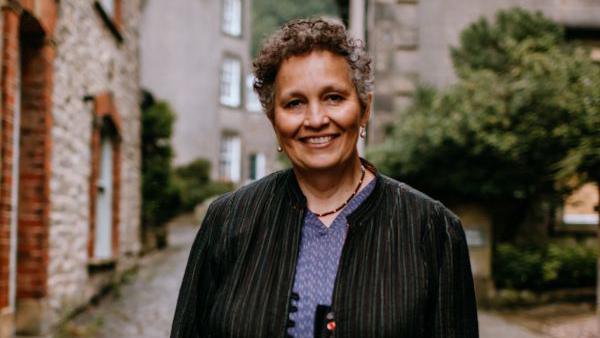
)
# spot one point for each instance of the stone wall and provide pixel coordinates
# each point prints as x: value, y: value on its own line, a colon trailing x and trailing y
x: 90, y: 60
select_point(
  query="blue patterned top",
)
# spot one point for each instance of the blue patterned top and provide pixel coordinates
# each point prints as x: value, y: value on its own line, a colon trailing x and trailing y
x: 316, y: 269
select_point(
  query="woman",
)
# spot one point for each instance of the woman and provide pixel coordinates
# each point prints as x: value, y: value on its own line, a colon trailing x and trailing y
x: 330, y: 247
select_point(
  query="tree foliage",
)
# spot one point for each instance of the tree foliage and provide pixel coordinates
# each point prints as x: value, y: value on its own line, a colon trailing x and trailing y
x: 194, y: 184
x: 523, y: 112
x: 268, y: 15
x: 160, y: 196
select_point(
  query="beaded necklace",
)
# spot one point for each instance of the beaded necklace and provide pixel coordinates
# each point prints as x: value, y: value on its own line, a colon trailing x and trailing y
x: 362, y: 177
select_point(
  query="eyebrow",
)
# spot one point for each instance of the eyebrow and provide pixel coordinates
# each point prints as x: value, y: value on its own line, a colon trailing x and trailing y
x: 326, y: 89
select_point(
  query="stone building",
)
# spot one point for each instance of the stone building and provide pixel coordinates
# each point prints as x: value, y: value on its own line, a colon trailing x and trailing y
x: 195, y: 55
x: 69, y: 155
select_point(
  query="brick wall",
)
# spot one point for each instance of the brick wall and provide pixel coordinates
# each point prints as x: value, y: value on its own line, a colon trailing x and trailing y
x: 8, y: 86
x: 34, y: 166
x: 26, y: 85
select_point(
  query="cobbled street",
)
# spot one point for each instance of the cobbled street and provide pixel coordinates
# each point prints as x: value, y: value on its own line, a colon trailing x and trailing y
x: 144, y: 305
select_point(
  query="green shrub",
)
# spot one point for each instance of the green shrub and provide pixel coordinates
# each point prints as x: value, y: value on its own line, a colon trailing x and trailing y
x: 194, y: 184
x: 160, y: 197
x: 558, y: 265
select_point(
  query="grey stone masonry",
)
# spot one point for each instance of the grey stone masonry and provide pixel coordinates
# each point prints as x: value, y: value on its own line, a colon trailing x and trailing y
x: 89, y: 61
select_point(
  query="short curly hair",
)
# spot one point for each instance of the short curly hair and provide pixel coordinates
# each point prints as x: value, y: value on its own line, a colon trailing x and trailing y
x: 300, y: 37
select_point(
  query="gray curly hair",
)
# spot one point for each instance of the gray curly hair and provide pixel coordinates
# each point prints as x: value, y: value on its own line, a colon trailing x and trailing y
x: 300, y: 37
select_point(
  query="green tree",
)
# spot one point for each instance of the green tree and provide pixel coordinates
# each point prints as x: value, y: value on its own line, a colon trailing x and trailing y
x: 268, y: 15
x: 160, y: 196
x: 525, y: 99
x: 194, y: 184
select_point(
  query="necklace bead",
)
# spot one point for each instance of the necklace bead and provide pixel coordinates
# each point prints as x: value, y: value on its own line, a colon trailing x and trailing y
x: 362, y: 177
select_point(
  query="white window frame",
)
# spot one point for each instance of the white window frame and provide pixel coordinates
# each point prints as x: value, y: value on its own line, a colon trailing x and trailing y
x: 230, y: 82
x: 252, y: 101
x: 230, y: 158
x: 231, y: 20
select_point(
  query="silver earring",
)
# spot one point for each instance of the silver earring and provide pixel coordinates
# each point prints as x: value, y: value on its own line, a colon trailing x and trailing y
x: 363, y: 132
x: 279, y: 149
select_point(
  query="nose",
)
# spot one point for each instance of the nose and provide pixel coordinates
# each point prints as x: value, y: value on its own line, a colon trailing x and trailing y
x: 316, y: 117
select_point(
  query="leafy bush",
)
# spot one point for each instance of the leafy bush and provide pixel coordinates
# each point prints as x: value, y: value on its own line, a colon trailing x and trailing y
x: 194, y: 184
x: 523, y: 101
x: 519, y: 124
x: 160, y: 197
x: 557, y: 265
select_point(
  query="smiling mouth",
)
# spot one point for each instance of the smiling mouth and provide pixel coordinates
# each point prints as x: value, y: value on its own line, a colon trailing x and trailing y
x: 318, y: 140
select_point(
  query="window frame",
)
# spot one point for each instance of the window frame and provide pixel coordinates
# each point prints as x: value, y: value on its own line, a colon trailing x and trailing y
x: 230, y: 157
x: 225, y: 29
x: 251, y: 100
x: 257, y: 165
x: 112, y: 20
x: 235, y: 85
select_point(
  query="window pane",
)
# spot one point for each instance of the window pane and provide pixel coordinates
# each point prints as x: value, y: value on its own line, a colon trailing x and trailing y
x: 257, y: 166
x: 230, y: 158
x: 252, y: 101
x: 230, y: 82
x: 232, y: 17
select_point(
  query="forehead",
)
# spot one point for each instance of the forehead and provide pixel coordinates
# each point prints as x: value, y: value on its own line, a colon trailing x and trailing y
x: 313, y: 70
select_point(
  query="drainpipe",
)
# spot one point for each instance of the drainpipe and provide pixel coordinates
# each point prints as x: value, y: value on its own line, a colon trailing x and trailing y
x: 356, y: 23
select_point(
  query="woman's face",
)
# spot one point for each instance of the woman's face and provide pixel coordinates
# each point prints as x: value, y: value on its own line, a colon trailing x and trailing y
x: 317, y: 112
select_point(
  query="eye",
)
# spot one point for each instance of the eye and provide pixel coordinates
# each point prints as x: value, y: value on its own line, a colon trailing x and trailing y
x: 334, y: 98
x: 293, y: 104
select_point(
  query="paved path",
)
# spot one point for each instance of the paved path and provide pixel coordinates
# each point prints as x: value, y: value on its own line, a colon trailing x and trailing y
x: 491, y: 326
x: 144, y: 306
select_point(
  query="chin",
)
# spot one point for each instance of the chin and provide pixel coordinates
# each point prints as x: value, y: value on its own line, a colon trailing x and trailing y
x: 322, y: 161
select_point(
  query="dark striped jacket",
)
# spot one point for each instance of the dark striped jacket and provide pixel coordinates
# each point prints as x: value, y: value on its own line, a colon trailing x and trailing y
x: 404, y: 270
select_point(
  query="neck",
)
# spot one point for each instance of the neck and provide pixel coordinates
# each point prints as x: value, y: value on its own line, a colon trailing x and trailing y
x: 327, y: 189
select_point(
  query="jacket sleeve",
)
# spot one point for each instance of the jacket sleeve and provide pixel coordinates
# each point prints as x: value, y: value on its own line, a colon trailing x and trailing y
x: 454, y: 307
x: 198, y: 286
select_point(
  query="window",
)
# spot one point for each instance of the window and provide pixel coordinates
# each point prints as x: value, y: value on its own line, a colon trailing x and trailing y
x: 109, y: 7
x: 232, y: 17
x: 110, y: 12
x: 105, y: 181
x: 595, y: 53
x: 230, y: 82
x: 230, y: 158
x: 257, y: 166
x: 579, y: 207
x: 252, y: 101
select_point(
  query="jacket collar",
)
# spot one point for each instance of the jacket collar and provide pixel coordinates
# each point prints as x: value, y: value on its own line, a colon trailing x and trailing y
x: 364, y: 209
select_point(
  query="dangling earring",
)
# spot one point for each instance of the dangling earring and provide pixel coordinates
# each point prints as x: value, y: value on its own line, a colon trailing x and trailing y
x: 279, y: 149
x: 363, y: 132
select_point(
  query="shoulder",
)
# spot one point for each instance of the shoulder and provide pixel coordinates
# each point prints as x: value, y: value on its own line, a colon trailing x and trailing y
x: 407, y: 195
x: 438, y: 219
x: 252, y: 193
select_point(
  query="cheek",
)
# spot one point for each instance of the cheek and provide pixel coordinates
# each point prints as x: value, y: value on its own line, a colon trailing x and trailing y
x: 286, y: 126
x: 347, y: 118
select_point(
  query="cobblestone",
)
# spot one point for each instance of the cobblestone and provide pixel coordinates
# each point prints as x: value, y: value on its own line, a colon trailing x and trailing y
x: 145, y: 304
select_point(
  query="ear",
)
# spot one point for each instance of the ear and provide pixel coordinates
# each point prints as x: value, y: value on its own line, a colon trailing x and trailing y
x: 364, y: 118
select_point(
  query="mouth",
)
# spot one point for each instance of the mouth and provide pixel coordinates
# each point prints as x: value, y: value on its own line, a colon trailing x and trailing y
x: 318, y: 140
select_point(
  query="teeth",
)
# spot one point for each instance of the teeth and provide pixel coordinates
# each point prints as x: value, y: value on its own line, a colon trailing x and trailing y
x: 317, y: 140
